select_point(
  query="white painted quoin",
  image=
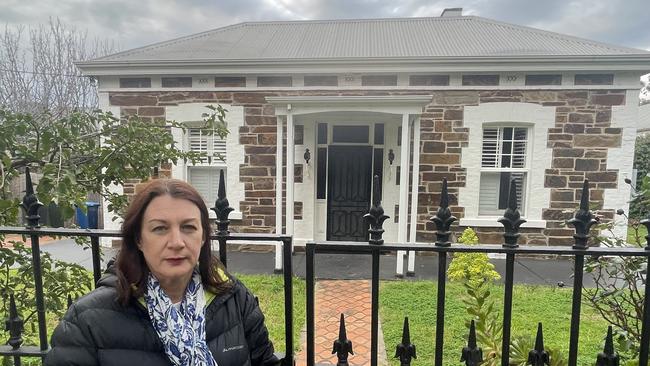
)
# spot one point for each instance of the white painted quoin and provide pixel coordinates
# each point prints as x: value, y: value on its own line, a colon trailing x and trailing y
x: 477, y: 108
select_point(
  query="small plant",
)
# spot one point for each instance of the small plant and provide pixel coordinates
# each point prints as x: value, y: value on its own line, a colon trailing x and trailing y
x: 477, y: 275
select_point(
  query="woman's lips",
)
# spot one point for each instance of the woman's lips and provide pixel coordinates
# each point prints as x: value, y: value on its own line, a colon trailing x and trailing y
x: 175, y: 261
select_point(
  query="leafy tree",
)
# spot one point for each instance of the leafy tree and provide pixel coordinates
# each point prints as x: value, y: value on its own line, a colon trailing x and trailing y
x: 86, y: 152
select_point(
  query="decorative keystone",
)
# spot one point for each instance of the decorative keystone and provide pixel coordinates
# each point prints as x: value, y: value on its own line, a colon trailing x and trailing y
x: 443, y: 218
x: 472, y: 355
x: 14, y: 324
x: 376, y: 215
x: 538, y: 356
x: 583, y: 219
x: 406, y: 350
x: 222, y: 208
x: 608, y: 357
x: 31, y: 204
x: 342, y: 346
x: 511, y: 219
x: 646, y: 222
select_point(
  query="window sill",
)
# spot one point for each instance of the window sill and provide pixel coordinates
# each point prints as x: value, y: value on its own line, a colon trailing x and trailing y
x: 491, y: 221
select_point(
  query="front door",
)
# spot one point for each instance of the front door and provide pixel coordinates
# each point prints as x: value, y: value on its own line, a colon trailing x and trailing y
x: 348, y: 193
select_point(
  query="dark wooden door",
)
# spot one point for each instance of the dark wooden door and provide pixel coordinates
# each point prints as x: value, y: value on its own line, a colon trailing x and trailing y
x: 348, y: 192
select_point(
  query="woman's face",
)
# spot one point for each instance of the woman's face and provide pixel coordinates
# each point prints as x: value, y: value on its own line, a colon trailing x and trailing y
x: 171, y: 239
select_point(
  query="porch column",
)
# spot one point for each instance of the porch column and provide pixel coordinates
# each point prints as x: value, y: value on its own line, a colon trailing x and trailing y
x: 278, y: 193
x: 290, y: 165
x: 403, y: 192
x: 415, y: 186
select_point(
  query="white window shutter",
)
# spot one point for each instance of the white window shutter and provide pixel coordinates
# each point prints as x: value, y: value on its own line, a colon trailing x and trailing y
x: 489, y: 194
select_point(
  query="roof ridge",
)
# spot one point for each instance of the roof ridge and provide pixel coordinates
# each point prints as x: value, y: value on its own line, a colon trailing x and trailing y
x: 557, y: 35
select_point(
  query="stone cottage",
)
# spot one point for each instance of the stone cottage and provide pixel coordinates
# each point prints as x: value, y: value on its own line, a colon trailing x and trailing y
x: 473, y: 100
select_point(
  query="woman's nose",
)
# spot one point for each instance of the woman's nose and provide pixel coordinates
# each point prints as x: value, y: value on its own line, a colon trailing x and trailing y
x: 175, y: 238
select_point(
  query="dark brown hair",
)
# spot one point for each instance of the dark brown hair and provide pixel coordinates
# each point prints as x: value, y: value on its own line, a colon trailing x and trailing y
x: 131, y: 268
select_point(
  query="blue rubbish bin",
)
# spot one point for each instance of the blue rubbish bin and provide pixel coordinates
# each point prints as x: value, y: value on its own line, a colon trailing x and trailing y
x: 91, y: 219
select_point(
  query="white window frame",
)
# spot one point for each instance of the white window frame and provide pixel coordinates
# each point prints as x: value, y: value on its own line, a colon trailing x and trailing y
x: 191, y: 114
x: 522, y: 190
x: 216, y: 150
x: 538, y: 119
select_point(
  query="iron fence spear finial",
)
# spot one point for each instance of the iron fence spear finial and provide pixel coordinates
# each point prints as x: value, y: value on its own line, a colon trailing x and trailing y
x: 376, y: 215
x: 583, y: 219
x: 443, y: 218
x: 406, y: 350
x: 222, y: 207
x: 538, y: 356
x: 31, y: 204
x: 511, y: 219
x: 472, y: 355
x: 608, y: 357
x: 14, y: 324
x: 342, y: 346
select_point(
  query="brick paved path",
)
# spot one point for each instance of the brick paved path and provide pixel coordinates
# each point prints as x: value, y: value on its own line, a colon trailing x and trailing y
x: 352, y: 298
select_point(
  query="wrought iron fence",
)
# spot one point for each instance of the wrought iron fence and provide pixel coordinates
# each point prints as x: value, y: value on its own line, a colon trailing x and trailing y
x: 443, y: 219
x: 472, y: 354
x: 14, y: 322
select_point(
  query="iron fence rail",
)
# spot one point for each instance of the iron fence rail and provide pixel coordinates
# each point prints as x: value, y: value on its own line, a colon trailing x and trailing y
x: 14, y: 323
x: 471, y: 355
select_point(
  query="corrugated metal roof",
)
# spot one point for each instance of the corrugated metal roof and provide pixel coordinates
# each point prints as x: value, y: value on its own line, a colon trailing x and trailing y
x: 464, y: 36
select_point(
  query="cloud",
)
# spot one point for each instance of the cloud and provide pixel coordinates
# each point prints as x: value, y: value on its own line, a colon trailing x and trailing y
x: 137, y: 23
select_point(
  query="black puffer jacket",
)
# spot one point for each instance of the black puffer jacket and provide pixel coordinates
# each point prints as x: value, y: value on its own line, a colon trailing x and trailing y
x: 97, y: 330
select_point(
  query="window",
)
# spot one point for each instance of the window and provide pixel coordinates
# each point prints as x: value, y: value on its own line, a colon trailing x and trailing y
x: 503, y: 159
x: 176, y: 82
x: 321, y: 80
x: 429, y: 80
x: 230, y: 81
x: 135, y: 82
x: 543, y: 79
x: 480, y: 80
x: 379, y: 80
x: 280, y: 81
x: 594, y: 79
x: 204, y: 176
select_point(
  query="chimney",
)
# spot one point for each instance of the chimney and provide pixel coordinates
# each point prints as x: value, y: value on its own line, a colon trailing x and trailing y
x: 452, y: 12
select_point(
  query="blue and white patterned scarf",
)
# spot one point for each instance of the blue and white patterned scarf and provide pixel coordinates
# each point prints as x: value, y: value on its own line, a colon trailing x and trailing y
x: 182, y: 330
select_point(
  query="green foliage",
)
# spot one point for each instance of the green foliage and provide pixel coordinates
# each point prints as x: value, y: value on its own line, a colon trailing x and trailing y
x: 477, y: 274
x: 474, y: 268
x: 60, y: 279
x: 618, y: 292
x: 82, y: 153
x: 640, y: 203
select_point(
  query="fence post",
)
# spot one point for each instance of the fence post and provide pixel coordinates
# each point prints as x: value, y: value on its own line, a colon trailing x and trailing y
x: 222, y: 209
x: 443, y: 220
x: 31, y: 205
x: 376, y: 215
x: 406, y: 350
x: 376, y: 219
x: 645, y: 325
x: 608, y: 357
x: 342, y: 346
x: 538, y: 356
x: 583, y: 221
x: 472, y: 355
x: 511, y: 222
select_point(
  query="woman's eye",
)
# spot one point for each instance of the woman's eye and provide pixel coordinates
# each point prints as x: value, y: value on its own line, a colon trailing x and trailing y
x: 158, y: 228
x: 189, y: 228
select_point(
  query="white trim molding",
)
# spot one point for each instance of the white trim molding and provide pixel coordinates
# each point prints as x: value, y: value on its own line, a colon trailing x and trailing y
x: 540, y: 119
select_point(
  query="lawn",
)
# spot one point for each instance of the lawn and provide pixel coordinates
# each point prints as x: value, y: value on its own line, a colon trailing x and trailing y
x: 531, y: 304
x: 637, y: 235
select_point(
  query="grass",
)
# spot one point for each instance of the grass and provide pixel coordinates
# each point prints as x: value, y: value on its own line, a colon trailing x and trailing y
x: 270, y: 291
x: 637, y: 235
x: 531, y: 304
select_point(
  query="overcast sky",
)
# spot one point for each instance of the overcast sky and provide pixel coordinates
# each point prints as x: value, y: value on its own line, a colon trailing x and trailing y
x: 134, y: 23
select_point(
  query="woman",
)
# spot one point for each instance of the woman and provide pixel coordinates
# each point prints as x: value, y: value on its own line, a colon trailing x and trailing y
x: 167, y: 300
